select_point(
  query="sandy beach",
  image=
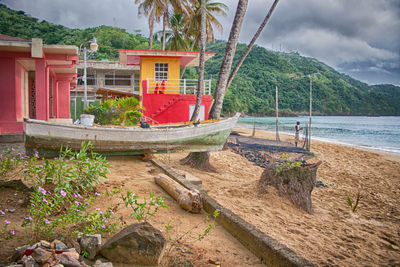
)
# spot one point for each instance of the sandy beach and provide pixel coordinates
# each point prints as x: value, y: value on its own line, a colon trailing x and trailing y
x: 332, y: 236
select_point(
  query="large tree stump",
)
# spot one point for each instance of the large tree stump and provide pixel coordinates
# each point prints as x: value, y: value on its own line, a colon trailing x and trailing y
x: 295, y: 183
x: 187, y: 199
x: 199, y: 160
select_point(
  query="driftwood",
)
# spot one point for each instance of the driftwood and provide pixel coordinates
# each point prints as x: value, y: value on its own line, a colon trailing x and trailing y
x: 295, y: 183
x: 187, y: 199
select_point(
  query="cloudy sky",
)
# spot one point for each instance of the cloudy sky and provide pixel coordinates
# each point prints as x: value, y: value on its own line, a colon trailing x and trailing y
x: 358, y: 37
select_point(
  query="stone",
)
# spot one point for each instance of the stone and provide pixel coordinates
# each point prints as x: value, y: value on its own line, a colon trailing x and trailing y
x: 45, y: 244
x: 149, y: 164
x: 42, y: 256
x: 67, y: 260
x: 18, y: 253
x: 58, y: 265
x: 14, y: 265
x: 91, y: 244
x: 11, y: 210
x: 99, y: 263
x: 29, y: 261
x: 72, y: 253
x: 293, y: 182
x: 58, y: 245
x: 139, y: 244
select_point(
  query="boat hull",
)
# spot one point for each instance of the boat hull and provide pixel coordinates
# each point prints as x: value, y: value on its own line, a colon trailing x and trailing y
x: 48, y: 138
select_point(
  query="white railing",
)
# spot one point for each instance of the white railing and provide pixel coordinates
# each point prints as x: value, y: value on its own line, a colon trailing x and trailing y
x: 176, y: 86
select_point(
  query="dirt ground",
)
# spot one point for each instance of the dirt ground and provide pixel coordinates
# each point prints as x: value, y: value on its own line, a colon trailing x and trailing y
x: 332, y: 236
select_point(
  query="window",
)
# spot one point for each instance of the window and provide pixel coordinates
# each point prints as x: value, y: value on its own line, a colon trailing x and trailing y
x: 121, y: 80
x: 91, y: 79
x: 161, y: 71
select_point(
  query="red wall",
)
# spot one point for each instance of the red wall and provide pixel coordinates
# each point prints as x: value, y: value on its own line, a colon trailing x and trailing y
x: 176, y: 112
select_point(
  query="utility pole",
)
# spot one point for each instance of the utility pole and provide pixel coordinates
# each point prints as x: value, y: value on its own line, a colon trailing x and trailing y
x: 277, y: 114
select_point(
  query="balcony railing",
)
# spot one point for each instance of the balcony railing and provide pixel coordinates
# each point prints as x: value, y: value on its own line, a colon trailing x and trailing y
x: 176, y: 86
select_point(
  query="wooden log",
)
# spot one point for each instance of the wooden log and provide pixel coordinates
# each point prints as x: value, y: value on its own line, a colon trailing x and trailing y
x: 189, y: 200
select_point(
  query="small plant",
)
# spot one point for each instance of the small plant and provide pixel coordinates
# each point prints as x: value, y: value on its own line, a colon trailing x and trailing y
x: 143, y: 211
x: 9, y: 161
x: 4, y: 233
x: 352, y: 205
x: 64, y: 191
x: 288, y: 164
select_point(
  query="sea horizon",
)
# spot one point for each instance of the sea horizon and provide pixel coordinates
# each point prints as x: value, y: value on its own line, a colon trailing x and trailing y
x: 376, y: 133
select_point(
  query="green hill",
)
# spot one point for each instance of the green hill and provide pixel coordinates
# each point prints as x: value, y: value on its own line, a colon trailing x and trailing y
x: 253, y: 89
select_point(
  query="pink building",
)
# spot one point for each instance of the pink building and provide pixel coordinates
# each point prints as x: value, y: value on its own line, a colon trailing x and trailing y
x: 35, y: 81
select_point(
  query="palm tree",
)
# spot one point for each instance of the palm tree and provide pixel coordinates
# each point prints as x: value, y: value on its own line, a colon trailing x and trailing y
x: 153, y: 9
x: 175, y: 38
x: 193, y: 21
x: 179, y: 6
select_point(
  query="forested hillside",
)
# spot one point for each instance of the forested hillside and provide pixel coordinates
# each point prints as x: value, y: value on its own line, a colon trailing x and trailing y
x: 253, y: 89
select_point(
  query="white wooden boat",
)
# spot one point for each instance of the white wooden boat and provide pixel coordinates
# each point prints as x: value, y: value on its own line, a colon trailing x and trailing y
x: 47, y: 138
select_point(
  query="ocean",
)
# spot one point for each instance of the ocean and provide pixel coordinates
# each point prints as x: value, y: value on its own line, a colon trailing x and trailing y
x: 374, y: 133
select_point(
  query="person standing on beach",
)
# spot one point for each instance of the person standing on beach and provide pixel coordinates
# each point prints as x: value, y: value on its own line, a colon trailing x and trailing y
x: 297, y: 133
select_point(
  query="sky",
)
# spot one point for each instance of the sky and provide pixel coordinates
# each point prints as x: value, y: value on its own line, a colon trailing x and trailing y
x: 358, y: 37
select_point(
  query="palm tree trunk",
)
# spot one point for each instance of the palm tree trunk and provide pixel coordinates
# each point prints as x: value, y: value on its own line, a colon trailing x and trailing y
x: 200, y: 84
x: 151, y: 27
x: 201, y: 160
x: 228, y: 58
x: 260, y: 29
x: 165, y: 18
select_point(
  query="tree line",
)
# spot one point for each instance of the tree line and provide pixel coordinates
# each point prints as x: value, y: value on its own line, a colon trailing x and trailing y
x: 253, y: 89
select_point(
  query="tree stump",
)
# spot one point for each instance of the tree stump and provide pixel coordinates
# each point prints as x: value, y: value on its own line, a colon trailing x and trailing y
x: 189, y: 200
x: 199, y: 160
x: 293, y: 182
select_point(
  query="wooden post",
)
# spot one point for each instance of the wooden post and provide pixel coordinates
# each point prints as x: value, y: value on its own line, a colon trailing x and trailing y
x: 309, y: 125
x: 254, y: 128
x: 277, y: 114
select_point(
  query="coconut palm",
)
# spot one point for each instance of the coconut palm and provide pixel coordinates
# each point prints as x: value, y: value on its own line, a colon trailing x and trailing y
x: 154, y: 10
x: 175, y: 38
x: 193, y: 20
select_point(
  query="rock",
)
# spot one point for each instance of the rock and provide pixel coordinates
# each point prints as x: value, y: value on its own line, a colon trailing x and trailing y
x: 11, y: 210
x: 45, y: 244
x: 139, y: 244
x: 91, y: 244
x: 14, y: 265
x: 67, y: 260
x: 72, y: 253
x: 295, y: 183
x: 99, y: 263
x: 149, y: 164
x: 29, y: 261
x: 18, y: 253
x: 74, y: 244
x: 58, y: 245
x: 58, y: 265
x: 42, y: 256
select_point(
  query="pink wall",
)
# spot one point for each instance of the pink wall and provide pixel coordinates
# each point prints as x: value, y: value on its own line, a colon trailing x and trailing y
x: 63, y: 99
x: 177, y: 106
x: 8, y: 114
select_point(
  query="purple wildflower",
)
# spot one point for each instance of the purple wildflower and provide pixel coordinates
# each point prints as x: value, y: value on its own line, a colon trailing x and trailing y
x: 33, y: 205
x: 97, y: 194
x: 46, y: 221
x: 77, y: 203
x: 29, y: 218
x: 75, y: 195
x: 103, y: 226
x: 62, y: 192
x: 36, y: 155
x: 2, y: 212
x: 86, y: 203
x: 45, y: 201
x: 80, y: 196
x: 7, y: 222
x: 76, y: 210
x: 97, y: 209
x: 25, y: 170
x: 41, y: 166
x: 12, y: 232
x: 42, y: 190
